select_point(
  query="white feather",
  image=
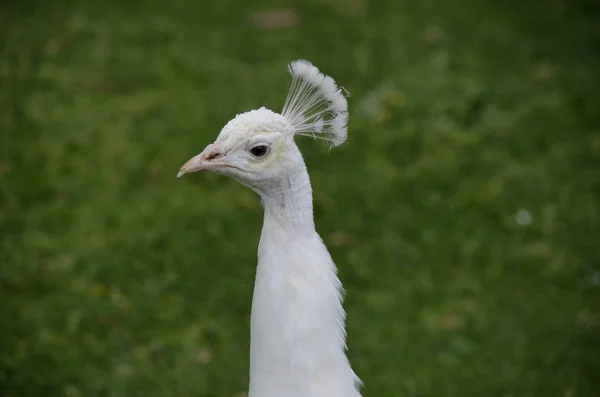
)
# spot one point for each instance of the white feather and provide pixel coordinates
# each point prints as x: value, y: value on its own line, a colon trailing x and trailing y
x: 315, y: 105
x: 298, y: 335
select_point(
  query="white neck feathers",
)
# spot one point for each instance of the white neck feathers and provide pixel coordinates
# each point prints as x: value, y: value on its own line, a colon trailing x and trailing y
x: 297, y: 326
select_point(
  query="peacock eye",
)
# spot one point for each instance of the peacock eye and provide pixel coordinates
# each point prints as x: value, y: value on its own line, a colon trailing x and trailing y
x: 259, y: 151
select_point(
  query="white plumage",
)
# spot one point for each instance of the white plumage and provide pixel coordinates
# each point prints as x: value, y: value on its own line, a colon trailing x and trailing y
x: 315, y: 104
x: 298, y: 337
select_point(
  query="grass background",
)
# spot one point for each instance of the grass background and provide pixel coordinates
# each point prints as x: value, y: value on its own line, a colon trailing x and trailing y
x: 463, y: 212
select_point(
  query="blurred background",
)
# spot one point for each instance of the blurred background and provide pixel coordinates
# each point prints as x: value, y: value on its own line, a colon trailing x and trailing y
x: 463, y: 212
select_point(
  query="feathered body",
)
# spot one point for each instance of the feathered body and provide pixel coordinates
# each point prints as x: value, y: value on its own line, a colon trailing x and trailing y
x: 298, y: 337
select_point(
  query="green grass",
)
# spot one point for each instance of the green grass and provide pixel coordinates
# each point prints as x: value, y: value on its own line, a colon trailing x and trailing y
x: 119, y: 280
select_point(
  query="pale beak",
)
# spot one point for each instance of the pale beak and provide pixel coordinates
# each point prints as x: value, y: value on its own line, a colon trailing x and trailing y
x: 205, y: 161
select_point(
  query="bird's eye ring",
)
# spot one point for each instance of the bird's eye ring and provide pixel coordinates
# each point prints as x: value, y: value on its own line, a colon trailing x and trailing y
x: 259, y: 150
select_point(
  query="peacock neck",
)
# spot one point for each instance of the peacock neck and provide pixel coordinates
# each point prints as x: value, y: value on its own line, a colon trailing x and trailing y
x: 288, y: 205
x: 297, y: 322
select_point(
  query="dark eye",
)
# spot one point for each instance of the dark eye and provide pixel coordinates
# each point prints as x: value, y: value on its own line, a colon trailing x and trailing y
x: 259, y: 151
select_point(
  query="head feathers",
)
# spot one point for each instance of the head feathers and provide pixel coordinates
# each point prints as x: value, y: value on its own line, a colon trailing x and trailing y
x: 315, y: 105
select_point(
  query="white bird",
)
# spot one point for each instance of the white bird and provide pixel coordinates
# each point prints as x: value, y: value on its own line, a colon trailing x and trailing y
x: 297, y: 330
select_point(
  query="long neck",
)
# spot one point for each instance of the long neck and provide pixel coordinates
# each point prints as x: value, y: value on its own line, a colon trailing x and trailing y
x: 289, y: 205
x: 297, y: 327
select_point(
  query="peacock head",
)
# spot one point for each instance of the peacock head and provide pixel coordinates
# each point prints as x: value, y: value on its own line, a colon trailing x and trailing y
x: 257, y: 148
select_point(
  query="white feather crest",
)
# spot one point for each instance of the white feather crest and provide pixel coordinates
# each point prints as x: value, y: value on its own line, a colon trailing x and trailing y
x: 315, y: 105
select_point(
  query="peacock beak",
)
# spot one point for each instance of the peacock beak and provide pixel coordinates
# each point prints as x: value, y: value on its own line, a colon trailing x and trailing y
x: 205, y: 161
